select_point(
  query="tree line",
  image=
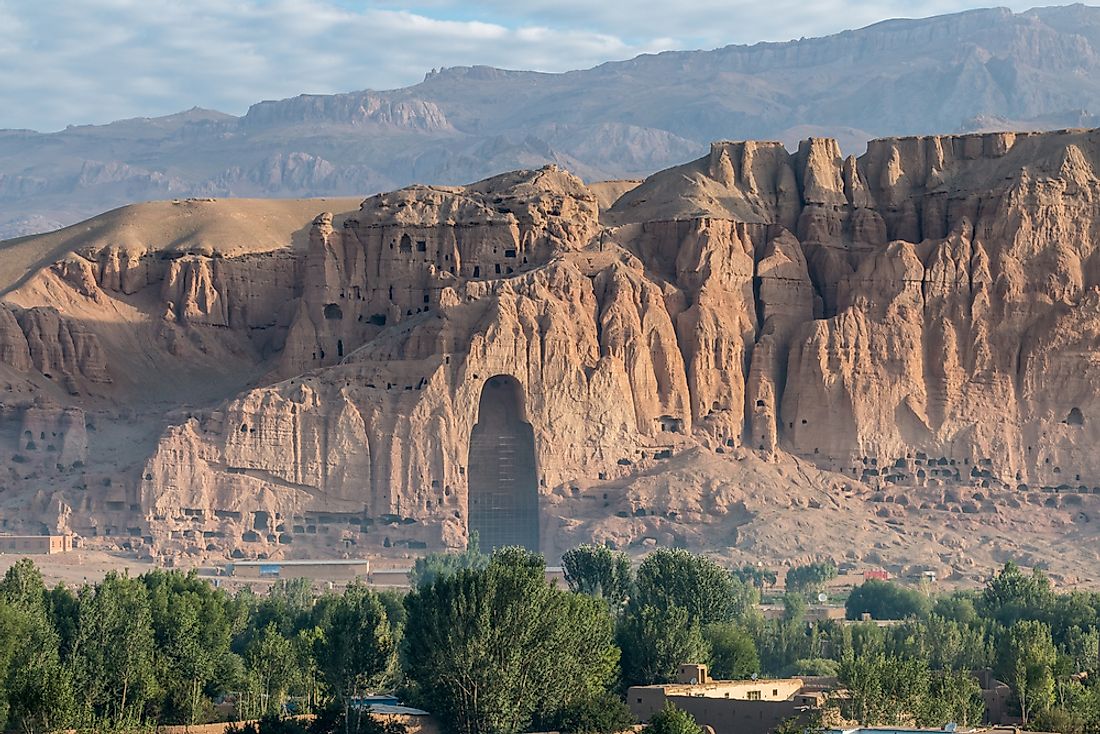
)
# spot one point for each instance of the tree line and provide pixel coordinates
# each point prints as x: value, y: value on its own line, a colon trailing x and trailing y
x: 488, y: 645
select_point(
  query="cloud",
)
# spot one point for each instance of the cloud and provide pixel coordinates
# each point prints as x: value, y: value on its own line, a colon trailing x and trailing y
x: 702, y: 23
x: 64, y: 62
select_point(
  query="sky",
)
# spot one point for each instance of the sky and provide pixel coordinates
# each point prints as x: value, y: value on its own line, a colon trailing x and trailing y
x: 92, y: 61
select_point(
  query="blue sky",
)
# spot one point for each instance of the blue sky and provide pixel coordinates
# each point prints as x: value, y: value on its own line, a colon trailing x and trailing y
x: 91, y: 61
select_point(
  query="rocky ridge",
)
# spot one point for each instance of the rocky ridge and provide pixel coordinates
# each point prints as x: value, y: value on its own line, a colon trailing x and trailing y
x: 986, y: 69
x: 765, y: 354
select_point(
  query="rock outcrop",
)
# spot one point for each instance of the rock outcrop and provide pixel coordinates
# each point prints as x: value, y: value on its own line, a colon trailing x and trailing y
x: 908, y: 333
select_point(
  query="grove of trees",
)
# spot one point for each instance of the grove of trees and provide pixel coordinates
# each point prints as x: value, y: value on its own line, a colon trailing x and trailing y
x: 488, y: 645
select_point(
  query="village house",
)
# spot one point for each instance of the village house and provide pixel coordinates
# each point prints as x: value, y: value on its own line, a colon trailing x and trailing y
x: 35, y: 545
x: 733, y: 707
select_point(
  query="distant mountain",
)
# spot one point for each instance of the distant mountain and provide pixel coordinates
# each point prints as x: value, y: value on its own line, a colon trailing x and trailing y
x: 978, y: 70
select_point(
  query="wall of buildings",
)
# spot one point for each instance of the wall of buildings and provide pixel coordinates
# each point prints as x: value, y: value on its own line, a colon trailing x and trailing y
x: 36, y: 545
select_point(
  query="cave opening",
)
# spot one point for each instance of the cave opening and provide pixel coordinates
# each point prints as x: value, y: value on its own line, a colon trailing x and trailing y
x: 503, y: 495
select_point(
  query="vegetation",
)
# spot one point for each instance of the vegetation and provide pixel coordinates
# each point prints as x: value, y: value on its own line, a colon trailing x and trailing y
x: 497, y: 650
x: 427, y: 569
x: 672, y: 720
x: 601, y: 713
x: 884, y: 600
x: 757, y: 576
x: 488, y: 645
x: 732, y: 651
x: 811, y: 577
x: 597, y: 570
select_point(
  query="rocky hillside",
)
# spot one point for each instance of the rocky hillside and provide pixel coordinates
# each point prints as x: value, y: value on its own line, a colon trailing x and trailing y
x: 890, y: 359
x: 980, y: 70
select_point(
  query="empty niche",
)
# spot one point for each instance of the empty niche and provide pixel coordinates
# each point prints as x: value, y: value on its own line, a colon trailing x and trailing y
x: 1075, y: 417
x: 333, y: 312
x: 503, y: 483
x: 406, y: 243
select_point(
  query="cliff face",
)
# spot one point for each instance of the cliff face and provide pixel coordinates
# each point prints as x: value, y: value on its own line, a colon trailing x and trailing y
x: 902, y: 337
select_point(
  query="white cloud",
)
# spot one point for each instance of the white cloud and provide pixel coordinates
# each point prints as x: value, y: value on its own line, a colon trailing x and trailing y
x: 704, y: 23
x: 65, y: 62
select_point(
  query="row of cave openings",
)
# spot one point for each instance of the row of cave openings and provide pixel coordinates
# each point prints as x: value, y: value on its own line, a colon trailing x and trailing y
x: 508, y: 257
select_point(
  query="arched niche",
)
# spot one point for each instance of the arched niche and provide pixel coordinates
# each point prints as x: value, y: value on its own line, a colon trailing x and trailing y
x: 503, y: 477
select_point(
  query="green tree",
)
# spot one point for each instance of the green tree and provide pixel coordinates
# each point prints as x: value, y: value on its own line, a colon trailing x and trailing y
x: 1013, y: 595
x: 601, y: 713
x: 492, y: 651
x: 813, y: 666
x: 23, y: 586
x: 1082, y: 647
x: 270, y: 724
x: 356, y: 647
x: 867, y: 639
x: 305, y: 649
x: 891, y: 691
x: 655, y: 641
x: 38, y: 685
x: 885, y: 600
x: 427, y: 569
x: 957, y: 607
x: 35, y: 689
x: 672, y: 720
x: 270, y: 662
x: 810, y: 577
x: 597, y: 570
x: 732, y: 651
x: 394, y: 604
x: 1025, y: 660
x: 955, y: 646
x: 696, y: 584
x: 1062, y: 721
x: 64, y: 613
x: 113, y: 655
x: 10, y: 632
x: 794, y: 608
x: 883, y: 690
x: 1075, y: 610
x: 757, y: 576
x: 953, y: 696
x: 192, y: 631
x: 779, y: 643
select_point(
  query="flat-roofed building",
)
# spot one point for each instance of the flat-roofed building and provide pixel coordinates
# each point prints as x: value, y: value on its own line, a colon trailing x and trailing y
x: 35, y: 545
x: 732, y: 706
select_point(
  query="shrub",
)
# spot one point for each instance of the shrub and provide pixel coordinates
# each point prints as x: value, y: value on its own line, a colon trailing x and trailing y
x: 672, y: 720
x: 885, y: 600
x: 602, y: 713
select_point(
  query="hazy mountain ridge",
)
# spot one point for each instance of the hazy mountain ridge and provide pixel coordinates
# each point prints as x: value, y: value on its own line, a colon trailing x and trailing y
x: 978, y: 70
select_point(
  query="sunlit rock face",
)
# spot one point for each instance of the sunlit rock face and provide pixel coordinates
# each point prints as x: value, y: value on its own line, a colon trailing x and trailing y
x: 873, y: 335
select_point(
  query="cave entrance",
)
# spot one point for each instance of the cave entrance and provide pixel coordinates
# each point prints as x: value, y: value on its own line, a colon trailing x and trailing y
x: 504, y: 493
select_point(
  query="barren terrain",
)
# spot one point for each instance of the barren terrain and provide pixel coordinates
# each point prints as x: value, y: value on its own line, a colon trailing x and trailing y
x: 888, y: 360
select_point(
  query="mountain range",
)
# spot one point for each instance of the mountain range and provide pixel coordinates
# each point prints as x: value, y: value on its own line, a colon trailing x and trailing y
x: 974, y: 71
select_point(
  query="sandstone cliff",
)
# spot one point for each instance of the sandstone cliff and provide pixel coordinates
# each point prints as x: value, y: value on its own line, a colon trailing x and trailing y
x: 761, y: 353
